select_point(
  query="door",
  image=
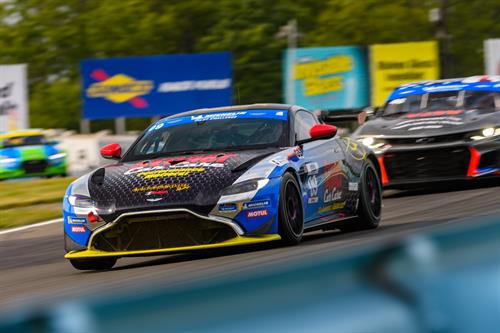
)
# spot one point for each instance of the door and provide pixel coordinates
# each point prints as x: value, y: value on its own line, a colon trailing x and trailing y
x: 321, y: 172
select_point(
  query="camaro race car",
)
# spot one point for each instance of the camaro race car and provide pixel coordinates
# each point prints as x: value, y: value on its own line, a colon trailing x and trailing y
x: 437, y: 130
x: 28, y: 153
x: 221, y: 177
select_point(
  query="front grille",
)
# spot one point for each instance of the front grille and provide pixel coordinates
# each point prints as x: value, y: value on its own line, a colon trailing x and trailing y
x: 34, y: 166
x: 435, y: 163
x: 426, y: 140
x: 159, y: 231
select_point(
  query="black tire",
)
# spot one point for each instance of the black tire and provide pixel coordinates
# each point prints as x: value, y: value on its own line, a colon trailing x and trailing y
x: 370, y: 201
x: 93, y: 264
x: 291, y: 212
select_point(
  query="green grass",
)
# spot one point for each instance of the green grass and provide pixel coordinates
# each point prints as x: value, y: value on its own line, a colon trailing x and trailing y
x: 30, y: 201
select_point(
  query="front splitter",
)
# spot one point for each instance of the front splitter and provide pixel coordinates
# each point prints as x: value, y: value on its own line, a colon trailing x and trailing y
x: 236, y: 241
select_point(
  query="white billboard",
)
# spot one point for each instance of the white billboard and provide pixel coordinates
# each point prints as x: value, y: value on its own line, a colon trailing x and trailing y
x: 492, y: 56
x: 13, y: 98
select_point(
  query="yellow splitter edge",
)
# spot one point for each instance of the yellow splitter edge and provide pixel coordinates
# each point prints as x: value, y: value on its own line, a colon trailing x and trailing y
x: 236, y: 241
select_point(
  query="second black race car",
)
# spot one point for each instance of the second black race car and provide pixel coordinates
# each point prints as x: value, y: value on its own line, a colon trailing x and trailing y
x: 437, y: 131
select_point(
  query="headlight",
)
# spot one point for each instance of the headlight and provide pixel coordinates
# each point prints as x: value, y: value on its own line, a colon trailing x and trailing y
x: 8, y: 160
x: 81, y: 201
x: 245, y: 186
x: 57, y: 156
x: 486, y: 133
x: 372, y: 142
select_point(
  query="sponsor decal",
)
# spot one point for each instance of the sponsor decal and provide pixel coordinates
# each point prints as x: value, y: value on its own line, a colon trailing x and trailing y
x: 312, y: 168
x: 312, y: 184
x: 227, y: 207
x: 354, y: 149
x: 76, y: 220
x: 332, y: 207
x: 423, y: 123
x: 438, y: 113
x: 257, y: 213
x: 218, y: 116
x: 353, y: 187
x: 156, y: 189
x: 334, y: 180
x: 119, y: 88
x: 78, y: 229
x: 256, y: 204
x: 169, y: 173
x: 180, y: 163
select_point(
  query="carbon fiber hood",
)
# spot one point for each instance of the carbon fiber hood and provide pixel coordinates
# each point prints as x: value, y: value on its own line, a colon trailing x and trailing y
x: 430, y: 123
x: 193, y: 181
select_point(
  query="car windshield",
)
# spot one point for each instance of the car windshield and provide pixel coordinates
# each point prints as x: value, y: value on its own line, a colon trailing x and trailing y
x: 446, y: 100
x: 18, y: 141
x: 209, y: 135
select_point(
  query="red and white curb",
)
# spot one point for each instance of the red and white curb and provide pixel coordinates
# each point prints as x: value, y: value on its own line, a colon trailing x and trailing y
x: 26, y: 227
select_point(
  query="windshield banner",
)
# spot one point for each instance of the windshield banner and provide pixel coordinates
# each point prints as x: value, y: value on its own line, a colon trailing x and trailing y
x: 155, y: 85
x: 326, y: 78
x: 395, y: 64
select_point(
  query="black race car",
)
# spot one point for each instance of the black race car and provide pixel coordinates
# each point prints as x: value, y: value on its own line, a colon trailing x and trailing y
x: 221, y: 177
x: 437, y: 131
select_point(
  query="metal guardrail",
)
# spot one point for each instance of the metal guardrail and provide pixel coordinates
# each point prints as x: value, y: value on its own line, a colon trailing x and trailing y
x: 444, y: 281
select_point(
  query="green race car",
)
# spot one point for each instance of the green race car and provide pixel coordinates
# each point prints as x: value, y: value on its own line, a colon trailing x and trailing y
x: 29, y: 154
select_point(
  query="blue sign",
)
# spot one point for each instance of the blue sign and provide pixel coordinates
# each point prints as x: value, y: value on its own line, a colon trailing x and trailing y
x: 155, y: 85
x: 327, y: 78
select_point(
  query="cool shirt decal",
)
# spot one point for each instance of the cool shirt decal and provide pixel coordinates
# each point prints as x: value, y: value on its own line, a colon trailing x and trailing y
x: 177, y: 166
x: 257, y: 213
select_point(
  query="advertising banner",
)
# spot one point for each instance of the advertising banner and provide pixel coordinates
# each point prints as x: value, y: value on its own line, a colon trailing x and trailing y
x: 13, y: 98
x: 327, y: 78
x: 155, y: 85
x: 492, y: 56
x: 395, y: 64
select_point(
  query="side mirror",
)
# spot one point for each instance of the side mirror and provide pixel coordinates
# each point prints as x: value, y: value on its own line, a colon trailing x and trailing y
x: 322, y: 131
x: 112, y: 151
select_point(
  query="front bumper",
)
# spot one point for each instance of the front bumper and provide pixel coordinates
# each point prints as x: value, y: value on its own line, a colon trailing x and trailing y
x: 162, y: 232
x: 43, y: 170
x: 417, y: 164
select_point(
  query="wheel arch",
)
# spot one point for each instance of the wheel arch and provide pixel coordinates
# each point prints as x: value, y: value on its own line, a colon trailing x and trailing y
x: 373, y: 158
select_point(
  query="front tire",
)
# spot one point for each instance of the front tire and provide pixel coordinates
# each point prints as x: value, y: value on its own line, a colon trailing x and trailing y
x: 93, y: 264
x: 370, y: 201
x: 291, y: 212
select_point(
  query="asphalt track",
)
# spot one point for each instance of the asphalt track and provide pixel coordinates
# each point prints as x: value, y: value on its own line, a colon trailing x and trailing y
x: 33, y: 271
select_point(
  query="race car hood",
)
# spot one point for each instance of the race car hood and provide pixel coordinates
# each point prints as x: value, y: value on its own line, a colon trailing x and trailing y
x: 192, y: 181
x: 430, y: 123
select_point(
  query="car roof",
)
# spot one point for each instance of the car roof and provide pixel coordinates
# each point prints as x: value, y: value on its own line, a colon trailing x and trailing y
x: 477, y: 83
x: 28, y: 132
x: 259, y: 106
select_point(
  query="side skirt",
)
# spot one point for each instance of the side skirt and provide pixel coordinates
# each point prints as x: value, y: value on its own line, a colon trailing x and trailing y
x: 328, y: 225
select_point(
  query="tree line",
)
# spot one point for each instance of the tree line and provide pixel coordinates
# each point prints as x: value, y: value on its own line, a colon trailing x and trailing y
x: 52, y: 36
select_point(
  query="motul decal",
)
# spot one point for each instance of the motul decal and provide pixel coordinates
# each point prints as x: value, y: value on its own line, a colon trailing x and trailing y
x: 257, y: 213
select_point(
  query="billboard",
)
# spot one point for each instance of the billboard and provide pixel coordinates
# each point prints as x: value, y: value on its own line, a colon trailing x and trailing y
x: 13, y: 98
x: 395, y: 64
x: 155, y: 85
x: 492, y: 56
x: 331, y: 78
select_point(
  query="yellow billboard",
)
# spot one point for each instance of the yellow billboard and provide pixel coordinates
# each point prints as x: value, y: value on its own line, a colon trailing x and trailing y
x: 395, y: 64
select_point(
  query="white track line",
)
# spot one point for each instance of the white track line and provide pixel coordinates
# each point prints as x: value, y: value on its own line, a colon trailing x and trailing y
x: 8, y: 231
